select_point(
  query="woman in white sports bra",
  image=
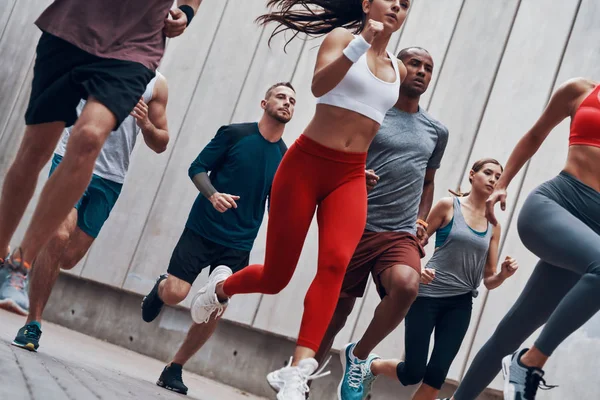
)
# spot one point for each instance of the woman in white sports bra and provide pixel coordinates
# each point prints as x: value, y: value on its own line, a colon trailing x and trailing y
x: 356, y: 80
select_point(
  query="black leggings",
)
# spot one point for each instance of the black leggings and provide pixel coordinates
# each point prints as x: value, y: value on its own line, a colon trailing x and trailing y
x: 450, y: 317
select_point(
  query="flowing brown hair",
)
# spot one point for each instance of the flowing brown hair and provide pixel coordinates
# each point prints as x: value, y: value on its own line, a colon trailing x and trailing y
x: 313, y: 17
x: 477, y: 166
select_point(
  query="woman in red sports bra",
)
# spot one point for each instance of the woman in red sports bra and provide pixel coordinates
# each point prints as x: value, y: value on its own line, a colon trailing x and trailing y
x: 559, y: 223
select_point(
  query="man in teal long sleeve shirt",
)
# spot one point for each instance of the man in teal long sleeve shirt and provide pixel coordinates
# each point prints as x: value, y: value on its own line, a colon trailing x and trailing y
x: 233, y: 174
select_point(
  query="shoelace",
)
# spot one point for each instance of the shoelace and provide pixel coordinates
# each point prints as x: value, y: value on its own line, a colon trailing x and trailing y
x: 368, y: 376
x: 355, y: 374
x: 32, y: 332
x: 214, y: 305
x: 300, y: 383
x: 218, y: 307
x: 533, y: 381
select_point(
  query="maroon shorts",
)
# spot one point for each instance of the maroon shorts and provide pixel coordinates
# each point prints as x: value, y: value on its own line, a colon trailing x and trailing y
x: 376, y: 252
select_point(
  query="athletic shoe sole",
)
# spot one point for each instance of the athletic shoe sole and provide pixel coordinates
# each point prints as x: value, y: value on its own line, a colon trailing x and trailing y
x: 172, y: 389
x: 10, y: 305
x: 27, y: 346
x: 343, y: 361
x: 509, y: 390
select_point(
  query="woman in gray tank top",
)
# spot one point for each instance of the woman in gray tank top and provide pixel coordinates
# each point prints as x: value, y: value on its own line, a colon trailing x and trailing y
x: 466, y: 252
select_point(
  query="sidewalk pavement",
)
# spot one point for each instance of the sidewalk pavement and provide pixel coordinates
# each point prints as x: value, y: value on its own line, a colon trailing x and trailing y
x: 73, y: 366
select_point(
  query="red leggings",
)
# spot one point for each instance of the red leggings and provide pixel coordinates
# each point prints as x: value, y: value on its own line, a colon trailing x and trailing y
x: 310, y: 175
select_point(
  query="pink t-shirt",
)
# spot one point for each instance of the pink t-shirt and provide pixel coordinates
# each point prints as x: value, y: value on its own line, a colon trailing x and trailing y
x: 128, y: 30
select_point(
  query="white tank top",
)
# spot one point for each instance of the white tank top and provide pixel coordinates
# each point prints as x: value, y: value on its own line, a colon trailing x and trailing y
x: 361, y: 91
x: 113, y: 161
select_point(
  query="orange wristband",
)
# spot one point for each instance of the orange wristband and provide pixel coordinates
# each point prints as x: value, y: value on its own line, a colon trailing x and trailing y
x: 422, y: 223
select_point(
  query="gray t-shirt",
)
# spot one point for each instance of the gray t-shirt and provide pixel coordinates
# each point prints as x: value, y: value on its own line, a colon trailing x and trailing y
x: 113, y: 161
x: 405, y: 147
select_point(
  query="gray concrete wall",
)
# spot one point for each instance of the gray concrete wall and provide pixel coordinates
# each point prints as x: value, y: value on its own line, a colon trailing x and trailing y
x: 497, y: 63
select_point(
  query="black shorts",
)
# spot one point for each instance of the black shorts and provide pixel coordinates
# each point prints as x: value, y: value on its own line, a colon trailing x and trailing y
x: 194, y: 252
x: 64, y: 74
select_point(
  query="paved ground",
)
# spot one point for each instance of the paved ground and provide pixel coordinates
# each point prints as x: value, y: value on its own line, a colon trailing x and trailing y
x: 73, y: 366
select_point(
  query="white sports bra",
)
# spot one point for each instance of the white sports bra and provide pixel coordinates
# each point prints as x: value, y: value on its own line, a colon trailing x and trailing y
x: 361, y: 91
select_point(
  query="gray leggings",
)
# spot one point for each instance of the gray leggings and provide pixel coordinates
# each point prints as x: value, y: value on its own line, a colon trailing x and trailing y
x: 559, y: 223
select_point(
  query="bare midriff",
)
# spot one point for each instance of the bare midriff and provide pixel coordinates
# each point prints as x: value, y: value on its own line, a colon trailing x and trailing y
x: 583, y: 162
x: 341, y: 129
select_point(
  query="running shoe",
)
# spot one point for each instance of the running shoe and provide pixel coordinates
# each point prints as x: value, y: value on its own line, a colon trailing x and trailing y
x: 368, y: 377
x: 152, y: 304
x: 206, y: 302
x: 291, y: 383
x: 14, y: 287
x: 521, y: 382
x: 351, y: 386
x: 28, y: 337
x: 171, y: 379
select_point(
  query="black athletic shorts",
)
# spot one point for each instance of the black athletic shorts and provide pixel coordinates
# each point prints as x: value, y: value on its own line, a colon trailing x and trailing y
x: 64, y: 74
x: 194, y: 252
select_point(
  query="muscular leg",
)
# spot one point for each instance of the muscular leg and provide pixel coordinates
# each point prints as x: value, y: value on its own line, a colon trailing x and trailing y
x: 544, y: 290
x: 197, y: 335
x: 401, y: 284
x: 47, y: 267
x: 20, y: 181
x: 173, y: 290
x: 68, y: 182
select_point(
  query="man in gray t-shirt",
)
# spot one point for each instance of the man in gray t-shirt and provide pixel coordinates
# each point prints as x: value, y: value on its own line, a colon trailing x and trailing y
x: 402, y: 161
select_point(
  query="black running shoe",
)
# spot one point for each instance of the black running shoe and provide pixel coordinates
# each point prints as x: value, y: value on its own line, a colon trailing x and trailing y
x: 152, y: 304
x: 28, y: 337
x: 171, y: 379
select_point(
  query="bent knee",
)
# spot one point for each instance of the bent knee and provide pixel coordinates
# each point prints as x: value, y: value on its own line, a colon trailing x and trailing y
x: 410, y: 376
x: 594, y: 269
x: 174, y: 292
x: 86, y: 140
x: 334, y: 265
x: 404, y: 292
x: 274, y: 287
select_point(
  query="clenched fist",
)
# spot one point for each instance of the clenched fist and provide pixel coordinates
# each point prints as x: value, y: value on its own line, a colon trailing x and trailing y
x: 371, y: 30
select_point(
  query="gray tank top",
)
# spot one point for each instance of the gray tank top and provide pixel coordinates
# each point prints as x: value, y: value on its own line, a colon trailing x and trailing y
x: 113, y: 161
x: 459, y: 262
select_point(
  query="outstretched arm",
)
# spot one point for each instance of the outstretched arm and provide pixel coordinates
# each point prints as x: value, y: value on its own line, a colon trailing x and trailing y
x: 559, y: 107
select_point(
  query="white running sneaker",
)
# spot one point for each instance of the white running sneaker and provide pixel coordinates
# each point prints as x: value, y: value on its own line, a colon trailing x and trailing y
x: 291, y: 383
x: 205, y: 302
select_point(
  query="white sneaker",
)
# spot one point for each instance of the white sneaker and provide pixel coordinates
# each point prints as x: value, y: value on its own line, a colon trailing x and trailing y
x: 205, y: 302
x: 291, y: 383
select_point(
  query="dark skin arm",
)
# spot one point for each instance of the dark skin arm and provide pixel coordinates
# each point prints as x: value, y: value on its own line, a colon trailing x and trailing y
x: 425, y: 204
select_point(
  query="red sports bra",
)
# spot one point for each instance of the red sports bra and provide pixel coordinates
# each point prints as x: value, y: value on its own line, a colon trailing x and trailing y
x: 585, y: 128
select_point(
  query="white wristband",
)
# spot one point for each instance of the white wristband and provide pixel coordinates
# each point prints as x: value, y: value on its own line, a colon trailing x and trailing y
x: 356, y: 48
